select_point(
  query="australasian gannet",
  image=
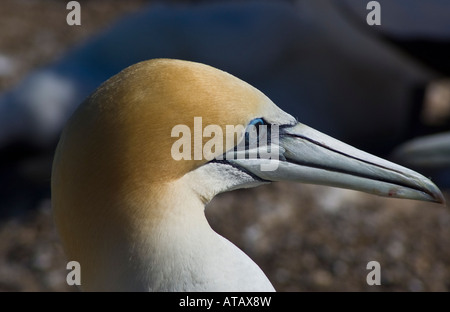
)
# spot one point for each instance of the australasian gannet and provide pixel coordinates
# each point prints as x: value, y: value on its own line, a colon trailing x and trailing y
x: 133, y: 216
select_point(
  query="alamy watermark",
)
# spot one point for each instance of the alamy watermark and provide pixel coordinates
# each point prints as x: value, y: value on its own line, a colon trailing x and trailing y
x: 374, y: 276
x: 74, y: 16
x: 74, y: 276
x: 374, y: 16
x: 256, y: 141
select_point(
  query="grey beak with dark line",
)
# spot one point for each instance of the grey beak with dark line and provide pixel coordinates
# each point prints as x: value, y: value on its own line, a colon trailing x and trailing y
x: 309, y: 156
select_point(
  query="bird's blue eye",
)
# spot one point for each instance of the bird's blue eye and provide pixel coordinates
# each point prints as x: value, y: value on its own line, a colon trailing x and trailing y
x: 254, y: 129
x: 257, y: 122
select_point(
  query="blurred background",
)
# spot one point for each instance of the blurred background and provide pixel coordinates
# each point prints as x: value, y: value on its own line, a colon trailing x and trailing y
x: 378, y: 88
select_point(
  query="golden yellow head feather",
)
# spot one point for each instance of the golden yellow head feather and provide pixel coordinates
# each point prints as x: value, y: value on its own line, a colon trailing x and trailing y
x: 127, y: 121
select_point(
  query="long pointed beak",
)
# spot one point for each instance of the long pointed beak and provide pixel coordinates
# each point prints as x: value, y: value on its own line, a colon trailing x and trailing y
x: 309, y: 156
